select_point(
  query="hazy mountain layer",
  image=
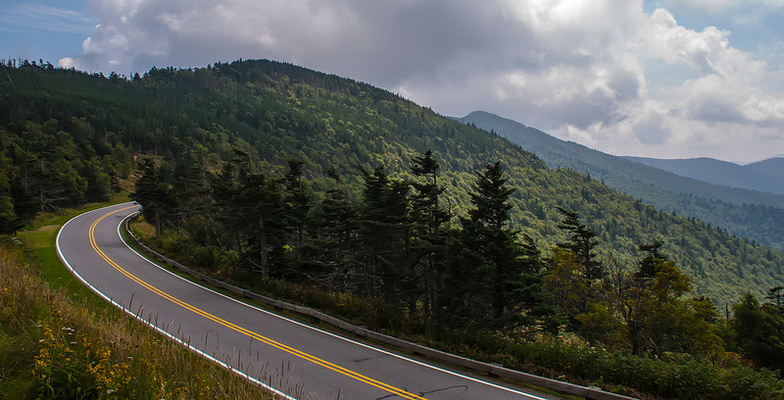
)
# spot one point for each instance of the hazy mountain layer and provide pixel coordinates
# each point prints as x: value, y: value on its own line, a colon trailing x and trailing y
x: 751, y: 214
x: 764, y: 176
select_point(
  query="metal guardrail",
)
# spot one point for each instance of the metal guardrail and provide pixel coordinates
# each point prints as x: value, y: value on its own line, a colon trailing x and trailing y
x: 589, y: 393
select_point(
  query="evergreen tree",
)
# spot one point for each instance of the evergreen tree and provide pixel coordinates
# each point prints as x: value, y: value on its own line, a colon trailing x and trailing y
x: 660, y: 275
x: 253, y: 207
x: 261, y: 220
x: 427, y: 210
x: 155, y: 196
x: 193, y: 185
x: 574, y: 297
x: 649, y: 265
x: 384, y: 237
x: 429, y: 222
x: 297, y: 200
x: 574, y: 279
x: 774, y: 295
x: 759, y: 332
x: 582, y: 241
x: 225, y: 186
x: 333, y: 247
x: 8, y: 217
x: 505, y: 279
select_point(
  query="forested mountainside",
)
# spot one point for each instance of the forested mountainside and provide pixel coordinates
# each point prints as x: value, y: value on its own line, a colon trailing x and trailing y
x: 66, y: 136
x: 753, y: 215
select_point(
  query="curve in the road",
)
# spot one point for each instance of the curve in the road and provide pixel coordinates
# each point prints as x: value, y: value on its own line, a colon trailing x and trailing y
x: 246, y: 332
x: 158, y: 329
x: 103, y: 237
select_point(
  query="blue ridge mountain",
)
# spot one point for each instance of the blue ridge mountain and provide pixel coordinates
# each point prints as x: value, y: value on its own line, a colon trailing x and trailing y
x: 752, y: 214
x: 763, y: 176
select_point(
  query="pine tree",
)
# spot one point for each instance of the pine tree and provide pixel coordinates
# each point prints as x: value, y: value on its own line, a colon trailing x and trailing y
x: 155, y: 196
x: 427, y: 210
x: 429, y: 225
x: 648, y: 266
x: 252, y: 204
x: 758, y: 331
x: 262, y: 212
x: 506, y: 279
x: 774, y: 295
x: 8, y: 217
x: 298, y: 201
x: 196, y: 205
x: 332, y: 263
x: 582, y: 241
x: 384, y: 236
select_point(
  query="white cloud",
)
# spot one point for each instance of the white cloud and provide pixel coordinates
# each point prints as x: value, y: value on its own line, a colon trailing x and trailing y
x: 67, y: 62
x: 597, y: 71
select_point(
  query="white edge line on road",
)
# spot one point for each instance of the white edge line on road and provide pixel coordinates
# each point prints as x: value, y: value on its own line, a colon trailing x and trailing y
x: 150, y: 324
x: 386, y: 352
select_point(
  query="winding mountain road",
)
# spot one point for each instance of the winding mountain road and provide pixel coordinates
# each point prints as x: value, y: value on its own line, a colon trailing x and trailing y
x: 292, y: 359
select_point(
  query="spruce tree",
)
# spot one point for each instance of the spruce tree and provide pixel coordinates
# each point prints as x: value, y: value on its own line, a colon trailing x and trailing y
x: 155, y: 196
x: 332, y: 248
x: 298, y: 201
x: 582, y: 241
x: 427, y: 211
x: 506, y: 279
x: 262, y: 208
x: 429, y: 224
x: 252, y: 205
x: 384, y: 236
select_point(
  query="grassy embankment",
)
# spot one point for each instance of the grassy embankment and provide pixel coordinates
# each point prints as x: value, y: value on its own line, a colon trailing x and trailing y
x: 58, y: 340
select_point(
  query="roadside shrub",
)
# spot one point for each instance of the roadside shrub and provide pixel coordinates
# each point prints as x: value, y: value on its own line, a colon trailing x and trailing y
x: 673, y: 375
x: 566, y: 357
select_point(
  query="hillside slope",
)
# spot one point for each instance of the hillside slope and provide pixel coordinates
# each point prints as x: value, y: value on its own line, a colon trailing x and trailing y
x: 772, y: 167
x: 274, y: 112
x: 763, y: 176
x: 753, y: 215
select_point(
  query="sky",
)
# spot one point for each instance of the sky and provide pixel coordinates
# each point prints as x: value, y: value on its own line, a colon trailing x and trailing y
x: 654, y: 78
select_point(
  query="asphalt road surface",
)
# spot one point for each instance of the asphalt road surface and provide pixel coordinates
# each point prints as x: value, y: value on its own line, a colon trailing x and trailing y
x: 292, y: 359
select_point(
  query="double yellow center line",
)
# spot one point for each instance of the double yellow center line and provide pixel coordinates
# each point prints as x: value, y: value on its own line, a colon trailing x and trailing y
x: 288, y: 349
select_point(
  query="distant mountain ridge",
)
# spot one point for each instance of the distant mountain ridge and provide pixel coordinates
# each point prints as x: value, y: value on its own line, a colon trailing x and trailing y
x: 763, y: 176
x: 771, y: 167
x: 755, y: 215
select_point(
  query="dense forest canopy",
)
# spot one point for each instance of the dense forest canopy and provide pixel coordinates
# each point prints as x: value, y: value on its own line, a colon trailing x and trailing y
x: 68, y: 136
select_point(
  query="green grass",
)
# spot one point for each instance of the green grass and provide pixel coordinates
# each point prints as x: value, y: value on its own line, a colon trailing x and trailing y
x: 40, y: 237
x: 58, y: 340
x: 41, y: 248
x: 39, y: 240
